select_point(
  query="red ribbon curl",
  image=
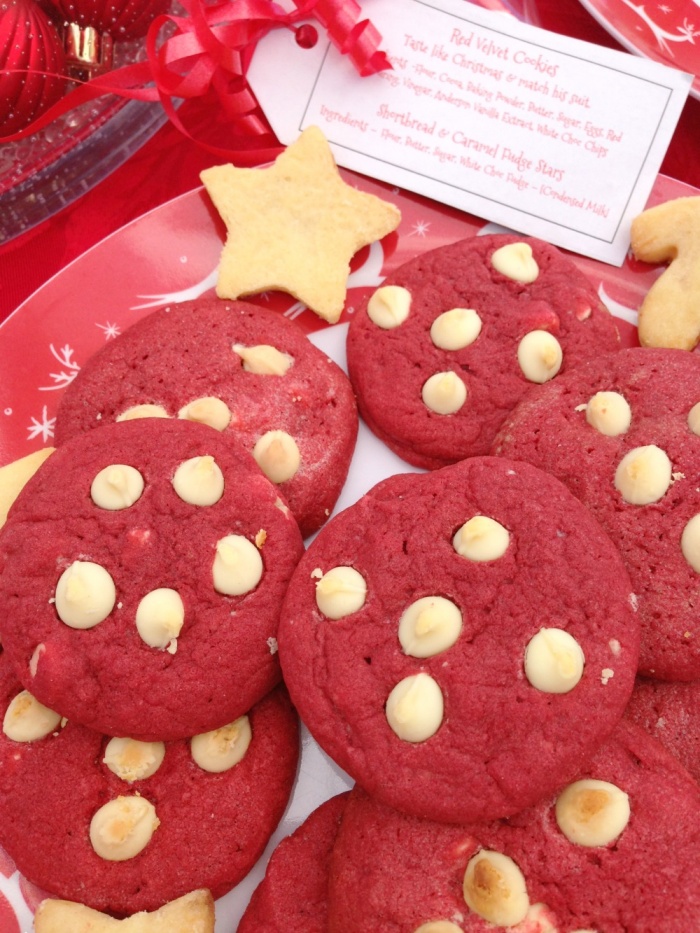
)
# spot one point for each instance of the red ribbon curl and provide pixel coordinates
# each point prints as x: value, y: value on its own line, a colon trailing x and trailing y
x: 207, y: 53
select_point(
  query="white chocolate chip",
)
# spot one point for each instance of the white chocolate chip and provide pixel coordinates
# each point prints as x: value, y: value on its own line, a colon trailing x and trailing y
x: 554, y: 661
x: 221, y: 749
x: 455, y: 329
x: 277, y: 455
x: 539, y: 356
x: 143, y: 411
x: 199, y: 481
x: 438, y: 926
x: 340, y: 592
x: 238, y: 566
x: 592, y: 813
x: 116, y: 487
x: 415, y: 708
x: 494, y: 888
x: 428, y: 626
x: 122, y: 828
x: 132, y: 760
x: 690, y: 542
x: 35, y: 658
x: 605, y: 675
x: 159, y: 617
x: 85, y: 594
x: 263, y: 359
x: 481, y: 539
x: 389, y: 306
x: 643, y: 475
x: 694, y: 418
x: 609, y: 413
x: 515, y: 260
x: 444, y: 393
x: 28, y: 720
x: 207, y: 410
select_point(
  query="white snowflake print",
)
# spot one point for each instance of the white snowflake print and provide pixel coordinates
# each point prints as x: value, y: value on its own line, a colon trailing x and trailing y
x: 68, y: 373
x: 420, y: 228
x: 110, y: 330
x: 43, y: 427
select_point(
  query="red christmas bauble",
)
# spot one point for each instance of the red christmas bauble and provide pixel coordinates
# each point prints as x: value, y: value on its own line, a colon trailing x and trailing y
x: 28, y: 39
x: 122, y: 19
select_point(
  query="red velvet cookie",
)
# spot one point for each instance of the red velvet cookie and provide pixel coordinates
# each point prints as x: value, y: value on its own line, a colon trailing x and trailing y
x: 617, y: 850
x: 124, y: 826
x: 445, y: 639
x: 452, y: 340
x: 245, y: 370
x: 142, y: 571
x: 293, y: 896
x: 623, y: 433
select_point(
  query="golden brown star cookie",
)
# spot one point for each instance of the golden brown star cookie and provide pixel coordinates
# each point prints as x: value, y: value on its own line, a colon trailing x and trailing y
x: 669, y: 316
x: 192, y: 913
x: 294, y: 226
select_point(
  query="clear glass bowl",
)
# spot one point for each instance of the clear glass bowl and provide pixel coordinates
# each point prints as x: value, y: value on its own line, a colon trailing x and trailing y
x: 45, y: 172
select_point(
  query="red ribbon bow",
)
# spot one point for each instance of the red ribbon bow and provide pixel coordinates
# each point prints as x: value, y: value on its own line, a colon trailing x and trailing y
x: 207, y: 52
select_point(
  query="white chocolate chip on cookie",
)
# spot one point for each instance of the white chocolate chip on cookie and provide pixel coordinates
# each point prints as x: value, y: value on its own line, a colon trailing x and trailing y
x: 277, y: 455
x: 415, y: 707
x: 690, y: 542
x: 428, y: 626
x: 592, y: 813
x: 609, y: 413
x: 122, y: 828
x: 539, y: 356
x: 208, y: 410
x: 28, y: 720
x: 438, y: 926
x: 554, y: 661
x: 263, y: 359
x: 199, y: 481
x: 389, y: 306
x: 444, y: 393
x: 238, y: 566
x: 142, y: 411
x: 494, y: 888
x: 85, y: 595
x: 221, y: 749
x: 481, y: 538
x: 515, y: 261
x: 117, y: 486
x: 133, y: 760
x: 340, y: 592
x: 455, y: 329
x: 694, y: 418
x: 643, y: 475
x: 159, y: 617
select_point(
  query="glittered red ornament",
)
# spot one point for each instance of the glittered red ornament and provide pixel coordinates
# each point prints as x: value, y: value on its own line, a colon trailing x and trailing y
x: 28, y: 40
x: 122, y: 19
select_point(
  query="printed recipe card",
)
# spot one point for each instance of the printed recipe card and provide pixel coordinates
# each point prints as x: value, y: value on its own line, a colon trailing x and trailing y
x: 545, y: 135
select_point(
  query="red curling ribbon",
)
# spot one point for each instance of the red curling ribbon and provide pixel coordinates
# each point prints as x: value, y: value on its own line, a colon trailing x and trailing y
x: 206, y: 53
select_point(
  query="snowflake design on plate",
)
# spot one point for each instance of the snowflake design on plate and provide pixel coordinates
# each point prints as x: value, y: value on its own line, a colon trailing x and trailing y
x: 70, y: 368
x: 42, y: 427
x: 685, y: 33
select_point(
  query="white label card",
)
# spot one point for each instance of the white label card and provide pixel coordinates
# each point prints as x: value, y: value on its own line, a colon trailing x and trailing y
x: 549, y: 136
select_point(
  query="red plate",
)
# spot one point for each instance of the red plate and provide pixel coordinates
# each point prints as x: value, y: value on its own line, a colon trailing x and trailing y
x: 665, y: 32
x: 172, y: 254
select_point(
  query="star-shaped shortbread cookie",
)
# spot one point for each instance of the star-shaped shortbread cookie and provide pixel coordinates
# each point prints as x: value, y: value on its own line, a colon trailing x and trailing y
x: 294, y: 226
x: 192, y: 913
